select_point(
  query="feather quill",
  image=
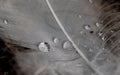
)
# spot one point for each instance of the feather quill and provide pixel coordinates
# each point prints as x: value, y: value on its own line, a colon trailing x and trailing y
x: 70, y: 39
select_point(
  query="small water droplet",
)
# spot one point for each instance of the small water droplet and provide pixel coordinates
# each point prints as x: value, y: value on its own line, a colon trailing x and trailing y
x: 112, y: 31
x: 90, y: 50
x: 87, y: 27
x: 67, y: 44
x: 100, y: 33
x: 108, y: 59
x: 79, y: 65
x: 103, y: 48
x: 44, y: 47
x: 97, y: 24
x: 103, y: 38
x: 81, y: 32
x: 90, y: 1
x: 5, y: 21
x: 56, y: 40
x: 80, y: 16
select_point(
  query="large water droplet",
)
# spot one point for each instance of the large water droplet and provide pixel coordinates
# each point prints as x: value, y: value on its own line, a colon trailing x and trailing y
x: 5, y: 21
x: 56, y: 40
x: 44, y: 47
x: 67, y: 44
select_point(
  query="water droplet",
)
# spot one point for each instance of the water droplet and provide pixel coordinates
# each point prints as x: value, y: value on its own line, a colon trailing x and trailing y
x: 80, y: 16
x: 112, y: 31
x: 81, y: 32
x: 5, y: 21
x: 44, y: 47
x: 100, y: 33
x: 79, y: 65
x: 103, y: 38
x: 97, y: 24
x: 67, y: 44
x: 87, y: 27
x: 56, y: 40
x: 108, y: 59
x: 103, y: 48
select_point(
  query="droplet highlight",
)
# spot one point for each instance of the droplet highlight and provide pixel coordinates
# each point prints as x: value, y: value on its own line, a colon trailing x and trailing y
x: 112, y: 31
x: 100, y: 33
x: 44, y: 47
x: 80, y: 16
x: 97, y: 24
x: 56, y: 40
x: 5, y: 21
x: 103, y: 38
